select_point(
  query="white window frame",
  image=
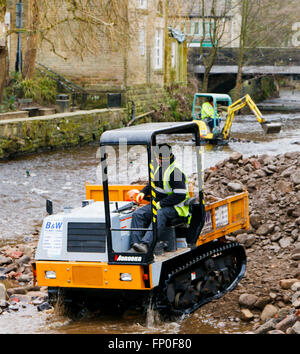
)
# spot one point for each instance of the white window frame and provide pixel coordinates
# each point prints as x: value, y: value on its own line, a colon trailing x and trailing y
x: 158, y: 49
x: 143, y: 4
x: 142, y: 41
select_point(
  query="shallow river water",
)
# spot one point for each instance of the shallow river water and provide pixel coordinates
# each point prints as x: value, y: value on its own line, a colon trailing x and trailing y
x: 27, y: 182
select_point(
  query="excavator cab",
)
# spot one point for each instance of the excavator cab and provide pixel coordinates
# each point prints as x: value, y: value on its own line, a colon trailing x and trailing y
x: 219, y: 101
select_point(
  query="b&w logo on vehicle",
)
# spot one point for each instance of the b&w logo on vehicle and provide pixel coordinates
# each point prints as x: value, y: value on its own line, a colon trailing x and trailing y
x: 121, y: 258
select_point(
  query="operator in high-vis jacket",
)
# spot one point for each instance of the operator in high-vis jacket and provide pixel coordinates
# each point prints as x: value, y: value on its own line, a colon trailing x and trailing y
x: 171, y: 188
x: 208, y: 113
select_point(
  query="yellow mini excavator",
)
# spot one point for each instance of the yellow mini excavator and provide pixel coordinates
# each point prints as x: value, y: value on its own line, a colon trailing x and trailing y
x: 212, y: 129
x: 83, y: 254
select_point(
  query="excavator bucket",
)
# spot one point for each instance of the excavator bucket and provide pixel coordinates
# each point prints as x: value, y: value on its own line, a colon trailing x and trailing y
x: 271, y: 128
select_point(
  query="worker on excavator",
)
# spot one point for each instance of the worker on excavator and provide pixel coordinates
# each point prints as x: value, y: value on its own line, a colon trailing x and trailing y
x: 171, y: 188
x: 208, y: 113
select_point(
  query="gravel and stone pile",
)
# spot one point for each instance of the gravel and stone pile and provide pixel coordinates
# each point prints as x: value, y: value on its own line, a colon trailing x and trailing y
x: 16, y: 279
x: 268, y: 298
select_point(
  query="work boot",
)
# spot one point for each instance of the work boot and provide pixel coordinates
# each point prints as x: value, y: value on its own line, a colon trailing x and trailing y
x: 140, y: 247
x: 159, y: 248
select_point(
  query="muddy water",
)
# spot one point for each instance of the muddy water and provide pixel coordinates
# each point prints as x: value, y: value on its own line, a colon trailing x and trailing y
x: 26, y: 183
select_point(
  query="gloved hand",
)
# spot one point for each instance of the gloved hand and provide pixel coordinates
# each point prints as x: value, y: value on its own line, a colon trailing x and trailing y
x: 158, y: 206
x: 140, y: 197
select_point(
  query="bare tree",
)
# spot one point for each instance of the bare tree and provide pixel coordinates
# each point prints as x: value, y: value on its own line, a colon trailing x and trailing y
x: 215, y: 16
x: 244, y: 33
x: 261, y: 27
x: 32, y: 39
x: 3, y: 51
x: 92, y: 25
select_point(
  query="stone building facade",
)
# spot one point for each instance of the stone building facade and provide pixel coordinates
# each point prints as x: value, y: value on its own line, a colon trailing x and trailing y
x: 148, y: 60
x: 198, y: 24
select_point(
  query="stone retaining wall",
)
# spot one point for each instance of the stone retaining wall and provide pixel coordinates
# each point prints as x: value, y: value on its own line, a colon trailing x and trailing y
x: 28, y: 135
x: 147, y: 98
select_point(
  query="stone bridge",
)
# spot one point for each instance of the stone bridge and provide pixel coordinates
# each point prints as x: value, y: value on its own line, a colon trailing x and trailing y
x: 261, y: 61
x: 268, y: 61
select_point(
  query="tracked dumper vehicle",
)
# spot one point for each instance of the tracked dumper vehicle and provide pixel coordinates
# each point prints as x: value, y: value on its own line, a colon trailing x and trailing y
x: 82, y: 254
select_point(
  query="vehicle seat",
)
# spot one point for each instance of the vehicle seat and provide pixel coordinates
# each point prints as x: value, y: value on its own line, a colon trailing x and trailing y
x: 169, y: 234
x: 197, y: 211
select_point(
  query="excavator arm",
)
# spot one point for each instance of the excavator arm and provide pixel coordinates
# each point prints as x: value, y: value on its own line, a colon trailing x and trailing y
x: 269, y: 128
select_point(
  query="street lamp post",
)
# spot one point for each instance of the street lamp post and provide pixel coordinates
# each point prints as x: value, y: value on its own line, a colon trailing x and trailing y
x: 19, y: 26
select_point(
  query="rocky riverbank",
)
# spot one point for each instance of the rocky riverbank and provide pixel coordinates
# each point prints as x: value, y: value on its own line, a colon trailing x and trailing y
x: 268, y: 297
x: 16, y: 279
x: 267, y: 300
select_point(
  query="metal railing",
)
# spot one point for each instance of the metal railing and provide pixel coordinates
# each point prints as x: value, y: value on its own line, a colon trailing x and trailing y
x: 78, y: 94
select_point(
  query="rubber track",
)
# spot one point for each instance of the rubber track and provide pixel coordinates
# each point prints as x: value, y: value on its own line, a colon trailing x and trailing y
x: 226, y: 248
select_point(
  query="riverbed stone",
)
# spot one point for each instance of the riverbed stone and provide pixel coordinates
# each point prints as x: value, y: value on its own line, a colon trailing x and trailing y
x: 235, y: 187
x: 265, y: 229
x: 296, y: 177
x: 296, y: 286
x: 286, y: 322
x: 262, y: 301
x: 287, y: 283
x: 248, y: 300
x: 276, y: 237
x: 285, y: 242
x: 3, y: 304
x: 266, y: 327
x: 235, y: 157
x: 275, y: 331
x: 268, y: 312
x: 255, y: 220
x: 296, y: 304
x: 5, y: 260
x: 250, y: 240
x: 23, y: 260
x: 242, y: 238
x: 18, y: 290
x: 3, y: 294
x: 24, y: 278
x: 246, y: 315
x: 296, y: 328
x: 295, y: 257
x: 284, y: 187
x: 44, y: 306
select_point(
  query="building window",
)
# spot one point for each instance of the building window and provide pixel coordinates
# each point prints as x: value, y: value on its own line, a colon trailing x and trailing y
x: 206, y: 30
x: 188, y: 29
x: 173, y: 55
x: 143, y: 4
x: 142, y: 42
x: 196, y: 28
x: 158, y: 55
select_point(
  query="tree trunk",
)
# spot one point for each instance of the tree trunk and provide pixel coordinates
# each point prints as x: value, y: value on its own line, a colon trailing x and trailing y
x: 208, y: 63
x: 3, y: 71
x: 241, y: 52
x: 239, y: 78
x: 3, y: 53
x: 32, y: 40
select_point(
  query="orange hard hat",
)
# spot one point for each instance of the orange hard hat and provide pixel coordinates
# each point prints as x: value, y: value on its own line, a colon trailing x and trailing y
x: 131, y: 195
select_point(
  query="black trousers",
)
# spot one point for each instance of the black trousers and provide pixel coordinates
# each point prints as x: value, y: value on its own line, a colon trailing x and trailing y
x: 142, y: 218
